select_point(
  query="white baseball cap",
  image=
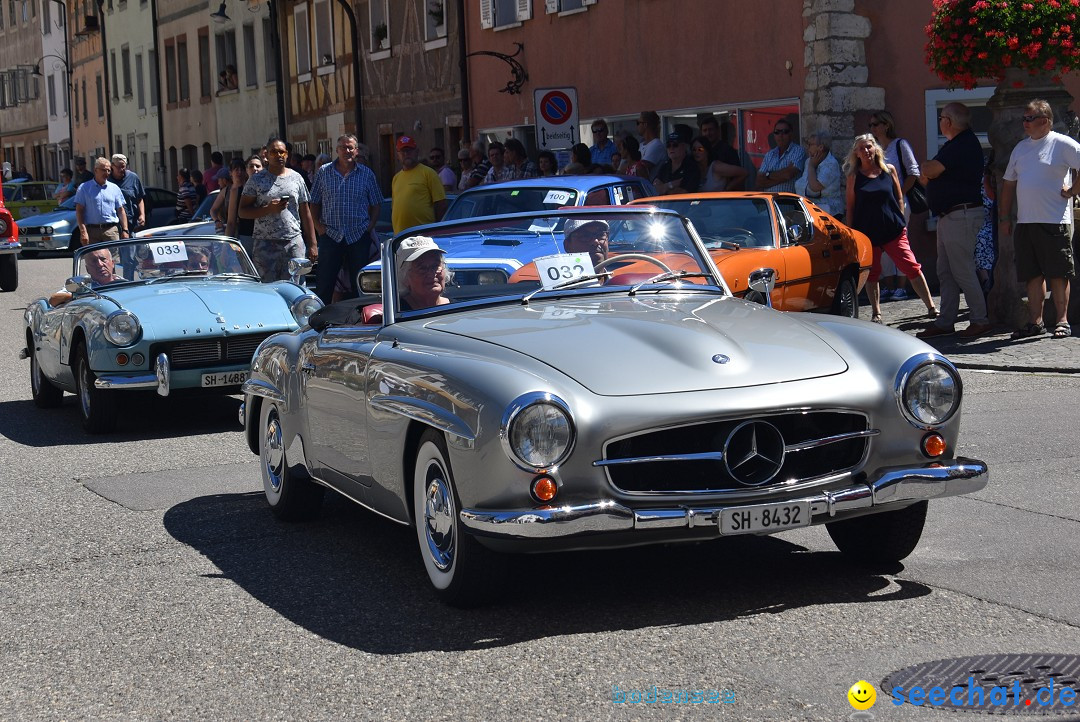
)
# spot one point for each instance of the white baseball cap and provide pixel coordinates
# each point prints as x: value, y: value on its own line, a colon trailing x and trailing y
x: 412, y: 248
x: 575, y: 223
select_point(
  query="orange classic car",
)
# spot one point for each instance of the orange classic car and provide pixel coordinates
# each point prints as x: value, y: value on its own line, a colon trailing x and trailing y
x: 815, y: 261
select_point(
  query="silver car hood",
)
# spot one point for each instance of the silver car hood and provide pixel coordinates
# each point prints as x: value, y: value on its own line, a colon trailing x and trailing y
x: 621, y: 346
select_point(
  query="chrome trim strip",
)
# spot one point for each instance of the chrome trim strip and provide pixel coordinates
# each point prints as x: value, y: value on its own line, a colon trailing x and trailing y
x: 703, y: 456
x: 748, y: 492
x: 425, y: 412
x: 825, y: 441
x: 258, y: 387
x: 893, y: 486
x: 122, y: 383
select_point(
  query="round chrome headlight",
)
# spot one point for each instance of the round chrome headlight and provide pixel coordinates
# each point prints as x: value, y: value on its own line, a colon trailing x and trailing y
x: 303, y: 307
x: 537, y: 431
x: 122, y: 328
x: 4, y: 227
x: 489, y: 278
x: 47, y: 231
x: 930, y: 392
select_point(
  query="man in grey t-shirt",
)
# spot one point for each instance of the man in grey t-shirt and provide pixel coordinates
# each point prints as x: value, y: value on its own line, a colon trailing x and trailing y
x: 277, y: 199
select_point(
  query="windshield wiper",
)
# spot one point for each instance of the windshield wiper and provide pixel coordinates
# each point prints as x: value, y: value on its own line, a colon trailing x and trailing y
x: 567, y: 284
x: 668, y: 276
x: 177, y: 275
x: 228, y: 276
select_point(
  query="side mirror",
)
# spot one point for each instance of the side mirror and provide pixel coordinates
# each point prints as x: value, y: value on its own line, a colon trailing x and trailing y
x: 795, y: 233
x: 77, y: 284
x: 299, y: 267
x: 763, y: 281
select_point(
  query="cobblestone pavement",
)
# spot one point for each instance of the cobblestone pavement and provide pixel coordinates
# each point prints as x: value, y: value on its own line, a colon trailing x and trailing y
x: 992, y: 351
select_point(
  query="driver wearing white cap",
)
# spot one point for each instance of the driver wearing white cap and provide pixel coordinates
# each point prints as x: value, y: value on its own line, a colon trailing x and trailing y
x: 422, y: 274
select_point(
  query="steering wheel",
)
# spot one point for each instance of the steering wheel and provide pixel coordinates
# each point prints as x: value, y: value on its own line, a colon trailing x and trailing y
x: 742, y: 236
x: 633, y: 257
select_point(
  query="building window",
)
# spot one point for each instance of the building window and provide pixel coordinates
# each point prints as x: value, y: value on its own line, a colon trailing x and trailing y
x: 435, y: 19
x: 324, y: 33
x: 183, y: 82
x: 379, y: 15
x: 205, y: 88
x: 302, y: 37
x: 225, y: 46
x: 112, y: 69
x: 51, y: 89
x: 100, y: 95
x: 251, y: 66
x: 504, y: 13
x: 268, y: 52
x: 125, y: 67
x: 170, y: 73
x: 85, y: 112
x: 140, y: 91
x: 152, y: 71
x: 67, y: 101
x: 563, y: 6
x: 75, y: 89
x: 46, y: 18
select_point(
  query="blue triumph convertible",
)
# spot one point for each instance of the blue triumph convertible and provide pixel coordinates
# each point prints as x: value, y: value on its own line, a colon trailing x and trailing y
x: 165, y: 315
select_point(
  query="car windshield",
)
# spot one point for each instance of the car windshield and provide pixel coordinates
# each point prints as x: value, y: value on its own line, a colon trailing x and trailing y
x: 152, y: 260
x: 745, y: 221
x: 67, y: 205
x: 498, y: 200
x: 516, y: 258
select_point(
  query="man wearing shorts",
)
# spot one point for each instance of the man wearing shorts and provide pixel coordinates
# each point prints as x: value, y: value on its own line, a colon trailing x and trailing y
x: 1042, y: 177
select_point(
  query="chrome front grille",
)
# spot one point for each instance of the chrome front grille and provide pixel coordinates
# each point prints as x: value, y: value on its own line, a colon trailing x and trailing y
x: 691, y: 458
x: 204, y: 353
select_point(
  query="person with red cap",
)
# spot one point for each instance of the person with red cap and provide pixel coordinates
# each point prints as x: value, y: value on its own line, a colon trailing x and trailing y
x: 417, y: 193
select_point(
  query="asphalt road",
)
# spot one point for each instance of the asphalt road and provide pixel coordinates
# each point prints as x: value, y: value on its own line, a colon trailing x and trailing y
x: 141, y: 577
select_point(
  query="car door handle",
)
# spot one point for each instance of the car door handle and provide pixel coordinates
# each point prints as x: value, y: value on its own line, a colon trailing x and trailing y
x: 307, y: 367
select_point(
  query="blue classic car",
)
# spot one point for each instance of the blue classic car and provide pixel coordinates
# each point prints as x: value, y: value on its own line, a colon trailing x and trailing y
x: 493, y: 255
x: 52, y: 231
x: 165, y: 315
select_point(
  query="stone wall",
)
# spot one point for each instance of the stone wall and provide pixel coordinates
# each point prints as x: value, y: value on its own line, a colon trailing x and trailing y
x: 836, y: 73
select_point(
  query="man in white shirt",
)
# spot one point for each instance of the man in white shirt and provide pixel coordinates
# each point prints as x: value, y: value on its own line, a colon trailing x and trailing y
x: 1043, y: 178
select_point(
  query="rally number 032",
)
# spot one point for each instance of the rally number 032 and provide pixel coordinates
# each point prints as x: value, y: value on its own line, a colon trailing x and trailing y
x: 556, y: 273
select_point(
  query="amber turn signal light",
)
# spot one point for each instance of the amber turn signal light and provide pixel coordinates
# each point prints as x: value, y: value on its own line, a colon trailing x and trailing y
x: 933, y: 445
x: 121, y: 359
x: 544, y: 488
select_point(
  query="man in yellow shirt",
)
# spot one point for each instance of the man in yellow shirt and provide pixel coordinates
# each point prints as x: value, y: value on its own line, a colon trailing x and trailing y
x: 417, y: 192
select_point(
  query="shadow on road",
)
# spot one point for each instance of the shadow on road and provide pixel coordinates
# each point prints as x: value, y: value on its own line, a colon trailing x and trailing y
x: 357, y: 579
x: 143, y: 416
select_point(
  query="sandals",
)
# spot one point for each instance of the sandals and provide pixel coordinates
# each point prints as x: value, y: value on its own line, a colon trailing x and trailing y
x: 932, y: 313
x: 1062, y: 330
x: 1029, y: 330
x: 876, y: 318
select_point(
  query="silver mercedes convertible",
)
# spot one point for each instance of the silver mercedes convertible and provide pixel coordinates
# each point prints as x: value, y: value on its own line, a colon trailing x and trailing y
x: 610, y: 392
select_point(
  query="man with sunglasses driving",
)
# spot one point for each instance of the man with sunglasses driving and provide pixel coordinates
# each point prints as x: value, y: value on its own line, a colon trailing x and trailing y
x: 784, y: 163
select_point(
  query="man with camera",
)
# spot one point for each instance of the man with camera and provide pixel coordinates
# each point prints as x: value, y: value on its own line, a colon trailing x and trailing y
x: 277, y: 199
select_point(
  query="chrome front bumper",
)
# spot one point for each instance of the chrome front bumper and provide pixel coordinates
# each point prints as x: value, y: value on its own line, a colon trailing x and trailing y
x: 894, y: 486
x: 160, y: 379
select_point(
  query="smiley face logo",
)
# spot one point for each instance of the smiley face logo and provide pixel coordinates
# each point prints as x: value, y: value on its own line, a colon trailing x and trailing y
x: 862, y: 695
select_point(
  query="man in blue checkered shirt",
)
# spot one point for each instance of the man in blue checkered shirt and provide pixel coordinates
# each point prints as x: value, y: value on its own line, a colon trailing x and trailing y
x: 345, y: 200
x: 784, y: 163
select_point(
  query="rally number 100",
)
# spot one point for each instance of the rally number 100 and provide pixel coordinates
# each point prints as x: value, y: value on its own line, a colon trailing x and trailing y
x: 556, y: 273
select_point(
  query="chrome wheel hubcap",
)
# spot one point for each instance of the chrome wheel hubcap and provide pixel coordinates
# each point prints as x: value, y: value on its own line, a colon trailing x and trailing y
x: 84, y: 387
x: 273, y: 453
x: 439, y: 519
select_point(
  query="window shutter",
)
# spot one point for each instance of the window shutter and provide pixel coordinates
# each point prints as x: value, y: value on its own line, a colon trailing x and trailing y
x: 551, y: 6
x: 524, y: 10
x: 486, y: 19
x: 588, y: 2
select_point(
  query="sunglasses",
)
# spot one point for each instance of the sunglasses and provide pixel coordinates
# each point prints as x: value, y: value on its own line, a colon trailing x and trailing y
x: 599, y: 130
x: 782, y: 131
x: 1031, y: 118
